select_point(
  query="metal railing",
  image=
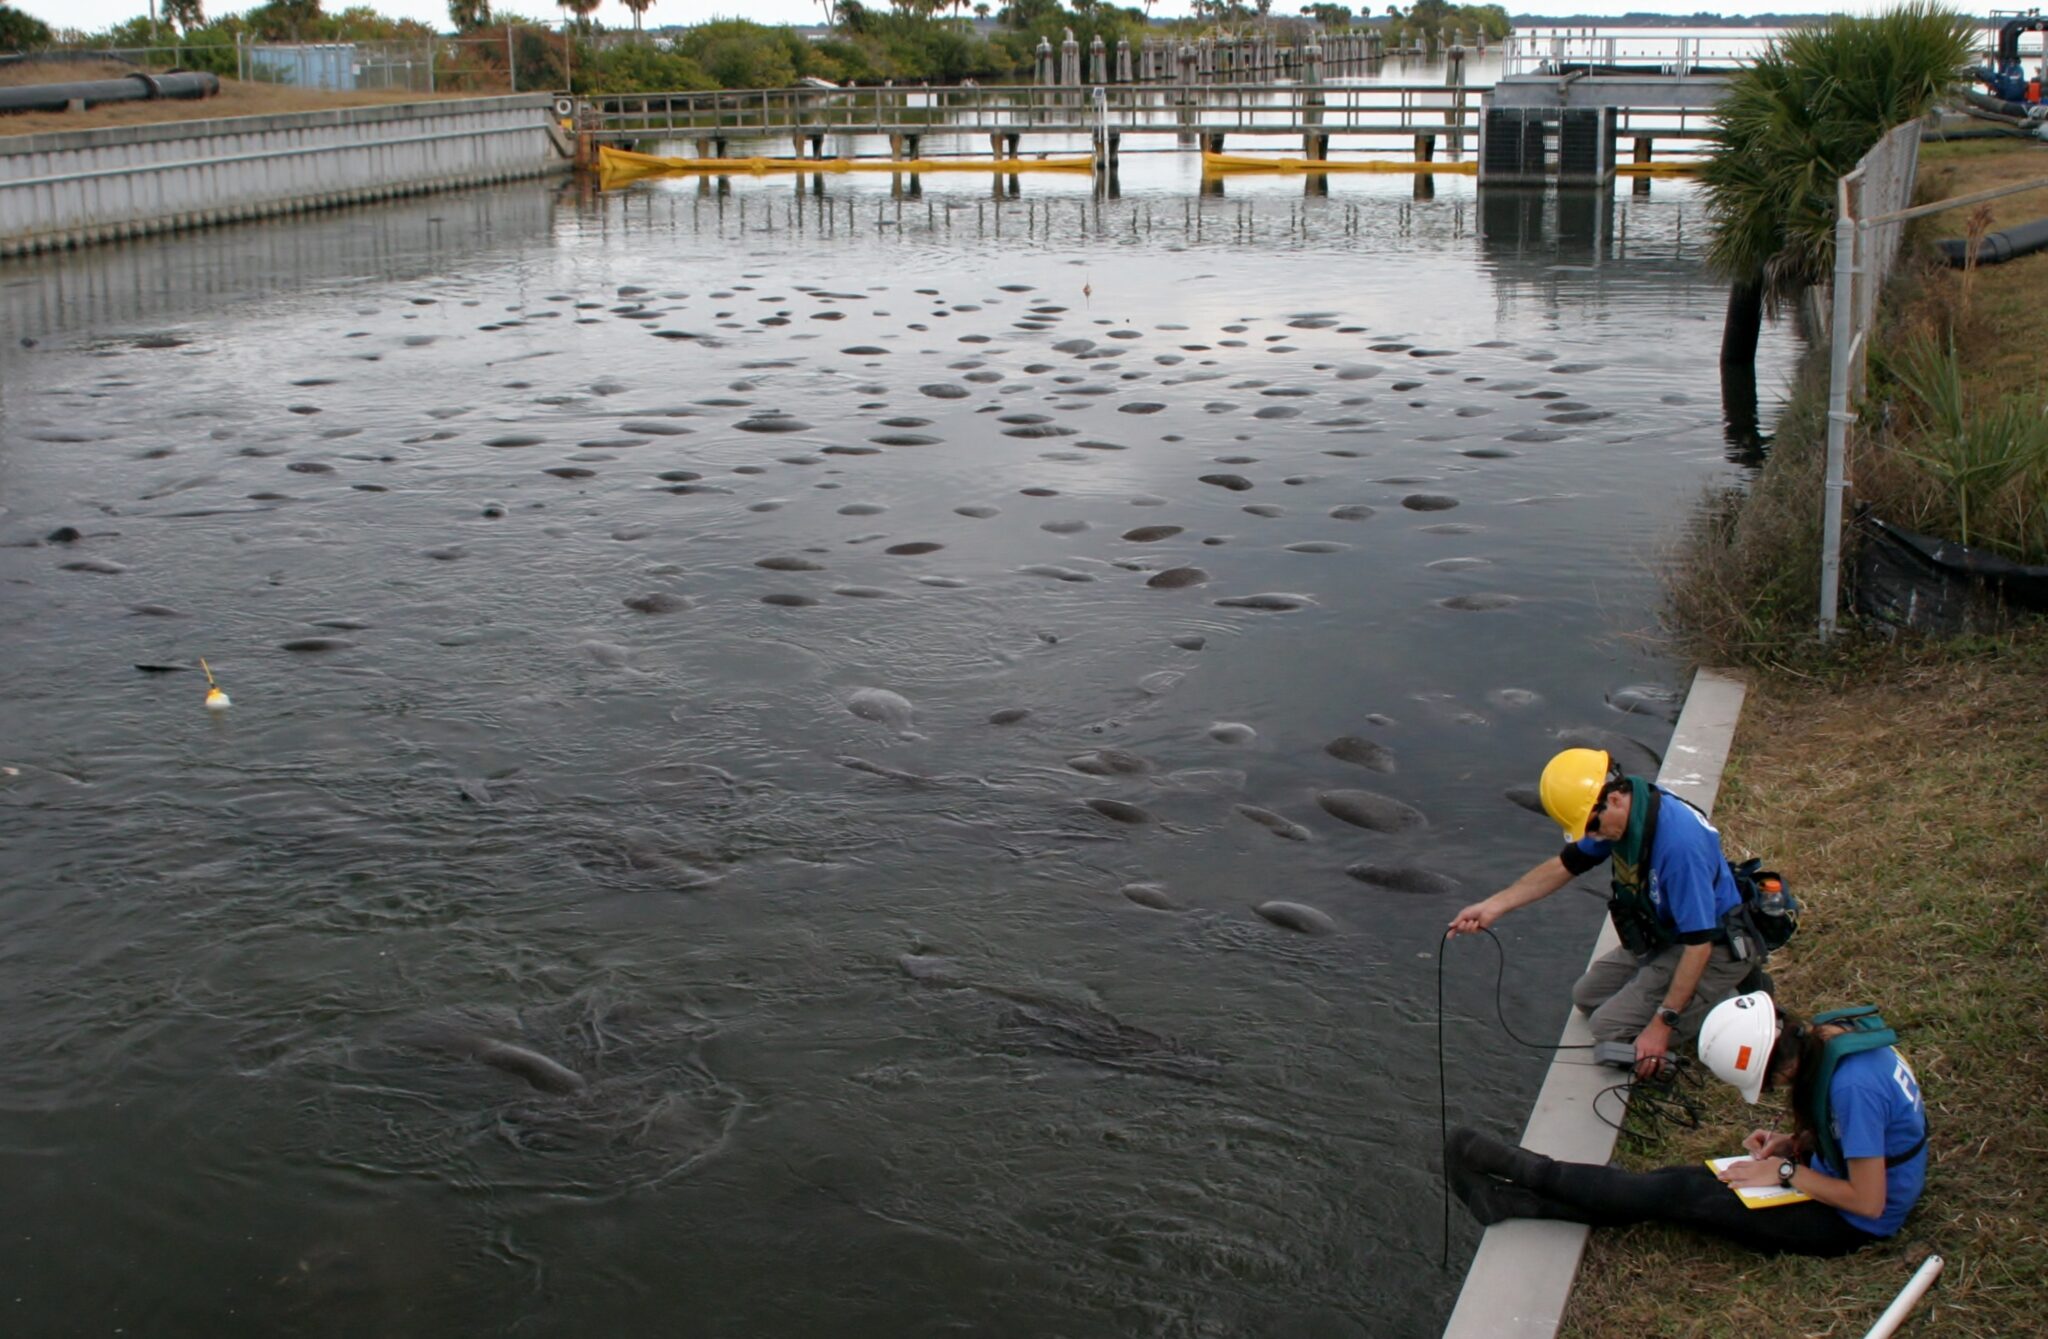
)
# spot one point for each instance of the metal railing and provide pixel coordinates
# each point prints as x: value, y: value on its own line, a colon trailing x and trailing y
x: 1555, y: 51
x: 1123, y: 109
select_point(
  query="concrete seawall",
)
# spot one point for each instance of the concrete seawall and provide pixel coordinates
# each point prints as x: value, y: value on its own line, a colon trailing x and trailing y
x: 1522, y: 1275
x: 78, y: 187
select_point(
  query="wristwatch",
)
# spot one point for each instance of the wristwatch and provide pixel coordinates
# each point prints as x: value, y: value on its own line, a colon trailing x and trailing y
x: 1786, y: 1171
x: 1668, y: 1014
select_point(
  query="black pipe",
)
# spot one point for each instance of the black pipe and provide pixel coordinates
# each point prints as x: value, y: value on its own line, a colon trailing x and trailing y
x: 137, y: 87
x: 1997, y: 247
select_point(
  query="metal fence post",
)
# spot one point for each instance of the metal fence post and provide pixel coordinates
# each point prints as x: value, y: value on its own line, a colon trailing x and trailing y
x: 511, y: 59
x: 1839, y: 417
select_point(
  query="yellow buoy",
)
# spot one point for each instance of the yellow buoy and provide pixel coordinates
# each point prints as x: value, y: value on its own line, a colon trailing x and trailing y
x: 216, y: 700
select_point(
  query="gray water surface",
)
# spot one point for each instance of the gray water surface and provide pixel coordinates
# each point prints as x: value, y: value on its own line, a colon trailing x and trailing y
x: 623, y: 911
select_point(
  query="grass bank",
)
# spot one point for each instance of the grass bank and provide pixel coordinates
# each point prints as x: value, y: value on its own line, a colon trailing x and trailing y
x: 1743, y: 583
x: 1902, y: 797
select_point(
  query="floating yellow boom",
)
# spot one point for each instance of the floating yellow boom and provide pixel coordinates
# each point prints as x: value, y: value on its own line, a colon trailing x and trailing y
x: 621, y: 164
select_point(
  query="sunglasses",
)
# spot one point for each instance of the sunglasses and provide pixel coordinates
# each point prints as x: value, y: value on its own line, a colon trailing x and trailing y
x: 1600, y: 805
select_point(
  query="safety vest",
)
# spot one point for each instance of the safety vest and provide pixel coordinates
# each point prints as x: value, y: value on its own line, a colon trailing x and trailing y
x: 1866, y: 1031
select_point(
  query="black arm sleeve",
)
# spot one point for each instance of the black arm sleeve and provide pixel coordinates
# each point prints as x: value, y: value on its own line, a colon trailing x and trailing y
x: 1575, y: 860
x: 1698, y: 937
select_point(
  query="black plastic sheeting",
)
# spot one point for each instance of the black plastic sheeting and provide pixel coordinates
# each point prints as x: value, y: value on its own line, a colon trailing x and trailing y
x: 1937, y: 586
x: 1995, y: 247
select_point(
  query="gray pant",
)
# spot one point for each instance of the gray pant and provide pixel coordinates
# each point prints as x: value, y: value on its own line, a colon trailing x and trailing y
x: 1620, y: 993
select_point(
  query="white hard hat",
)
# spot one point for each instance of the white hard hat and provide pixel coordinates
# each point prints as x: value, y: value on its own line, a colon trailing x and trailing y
x: 1736, y: 1041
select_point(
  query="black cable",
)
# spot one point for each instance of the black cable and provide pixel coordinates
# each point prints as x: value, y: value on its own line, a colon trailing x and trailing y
x: 1500, y: 1010
x: 1443, y: 1105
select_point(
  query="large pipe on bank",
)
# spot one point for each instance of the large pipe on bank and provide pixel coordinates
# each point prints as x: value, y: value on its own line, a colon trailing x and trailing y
x: 137, y: 87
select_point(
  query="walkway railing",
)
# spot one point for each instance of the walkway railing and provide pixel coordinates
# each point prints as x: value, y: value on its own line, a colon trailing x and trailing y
x: 1179, y: 109
x: 1557, y: 51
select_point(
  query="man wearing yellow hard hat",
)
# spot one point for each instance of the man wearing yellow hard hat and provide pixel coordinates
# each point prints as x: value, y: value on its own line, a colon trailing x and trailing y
x: 1685, y: 944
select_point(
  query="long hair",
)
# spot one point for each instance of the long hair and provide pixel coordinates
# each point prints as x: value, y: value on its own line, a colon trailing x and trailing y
x: 1799, y: 1043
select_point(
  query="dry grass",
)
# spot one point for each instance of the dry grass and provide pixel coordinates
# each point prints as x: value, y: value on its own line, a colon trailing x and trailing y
x: 1905, y: 801
x: 236, y: 99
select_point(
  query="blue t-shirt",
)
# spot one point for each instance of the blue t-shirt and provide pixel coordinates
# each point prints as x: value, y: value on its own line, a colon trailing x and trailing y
x: 1690, y: 885
x: 1875, y: 1110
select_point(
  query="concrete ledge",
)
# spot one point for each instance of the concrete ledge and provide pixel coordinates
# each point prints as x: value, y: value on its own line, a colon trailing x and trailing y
x: 1522, y: 1275
x: 159, y: 131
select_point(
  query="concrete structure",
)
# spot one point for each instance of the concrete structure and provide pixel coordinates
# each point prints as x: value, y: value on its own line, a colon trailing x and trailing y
x: 1522, y: 1275
x: 77, y: 187
x: 1540, y: 128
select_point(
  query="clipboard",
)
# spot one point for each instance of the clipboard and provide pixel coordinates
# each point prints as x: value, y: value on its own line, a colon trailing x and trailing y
x: 1757, y: 1197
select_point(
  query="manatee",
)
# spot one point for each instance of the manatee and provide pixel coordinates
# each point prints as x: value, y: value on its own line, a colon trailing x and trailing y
x: 1056, y: 572
x: 1404, y: 879
x: 1513, y: 697
x: 932, y: 967
x: 1429, y: 502
x: 881, y: 705
x: 1119, y: 811
x: 1351, y: 511
x: 1190, y: 641
x: 1147, y: 534
x: 1160, y: 682
x: 1269, y: 602
x: 1295, y: 916
x: 1009, y: 715
x: 1177, y: 578
x: 789, y: 600
x: 944, y: 390
x: 1480, y: 602
x: 1318, y: 546
x: 847, y: 760
x: 1361, y: 752
x: 1232, y: 732
x: 1274, y: 823
x: 1527, y: 797
x: 1151, y: 895
x: 155, y: 611
x: 544, y: 1074
x: 155, y: 667
x: 1236, y: 483
x: 913, y: 548
x: 514, y: 439
x: 788, y: 564
x: 102, y: 566
x: 317, y: 644
x: 1370, y: 810
x: 657, y: 602
x: 864, y: 592
x: 906, y: 439
x: 772, y: 423
x: 1109, y: 762
x: 64, y: 534
x: 1644, y: 699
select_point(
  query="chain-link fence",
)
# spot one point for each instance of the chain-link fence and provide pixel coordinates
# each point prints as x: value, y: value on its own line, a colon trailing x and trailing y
x: 508, y: 60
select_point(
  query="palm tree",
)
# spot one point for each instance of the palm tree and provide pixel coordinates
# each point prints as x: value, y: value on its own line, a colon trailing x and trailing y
x: 187, y: 14
x: 579, y: 10
x: 1791, y: 125
x: 639, y: 8
x: 466, y: 15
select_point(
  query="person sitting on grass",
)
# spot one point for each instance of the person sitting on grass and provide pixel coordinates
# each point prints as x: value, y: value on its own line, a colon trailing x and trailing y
x: 1858, y: 1121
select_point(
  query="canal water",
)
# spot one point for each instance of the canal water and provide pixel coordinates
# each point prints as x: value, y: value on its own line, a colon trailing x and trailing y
x: 763, y: 717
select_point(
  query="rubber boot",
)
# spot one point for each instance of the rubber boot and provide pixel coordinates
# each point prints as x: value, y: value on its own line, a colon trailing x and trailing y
x: 1491, y: 1157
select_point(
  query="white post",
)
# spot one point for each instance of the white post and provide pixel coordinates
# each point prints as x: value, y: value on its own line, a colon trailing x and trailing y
x: 1839, y: 417
x: 511, y: 60
x: 1908, y: 1298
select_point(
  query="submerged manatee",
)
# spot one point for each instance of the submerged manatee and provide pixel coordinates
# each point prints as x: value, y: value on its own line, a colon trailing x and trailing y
x: 1294, y: 916
x: 1361, y: 752
x: 544, y: 1074
x: 887, y: 708
x: 1404, y: 879
x: 1371, y: 810
x: 1274, y: 823
x: 1119, y: 811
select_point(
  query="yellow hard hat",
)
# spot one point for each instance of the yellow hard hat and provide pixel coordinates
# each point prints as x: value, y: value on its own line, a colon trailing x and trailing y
x: 1571, y: 786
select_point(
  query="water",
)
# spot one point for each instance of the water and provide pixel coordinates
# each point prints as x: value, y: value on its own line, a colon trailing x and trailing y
x: 866, y: 1035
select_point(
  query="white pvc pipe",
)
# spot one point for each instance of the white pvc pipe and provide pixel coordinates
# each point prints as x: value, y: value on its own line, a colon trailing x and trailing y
x: 1908, y: 1298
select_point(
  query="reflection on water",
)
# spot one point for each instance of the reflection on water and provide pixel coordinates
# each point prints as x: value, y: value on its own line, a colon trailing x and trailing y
x: 763, y: 714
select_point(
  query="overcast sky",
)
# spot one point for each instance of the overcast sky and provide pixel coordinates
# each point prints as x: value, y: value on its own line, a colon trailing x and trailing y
x: 97, y: 14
